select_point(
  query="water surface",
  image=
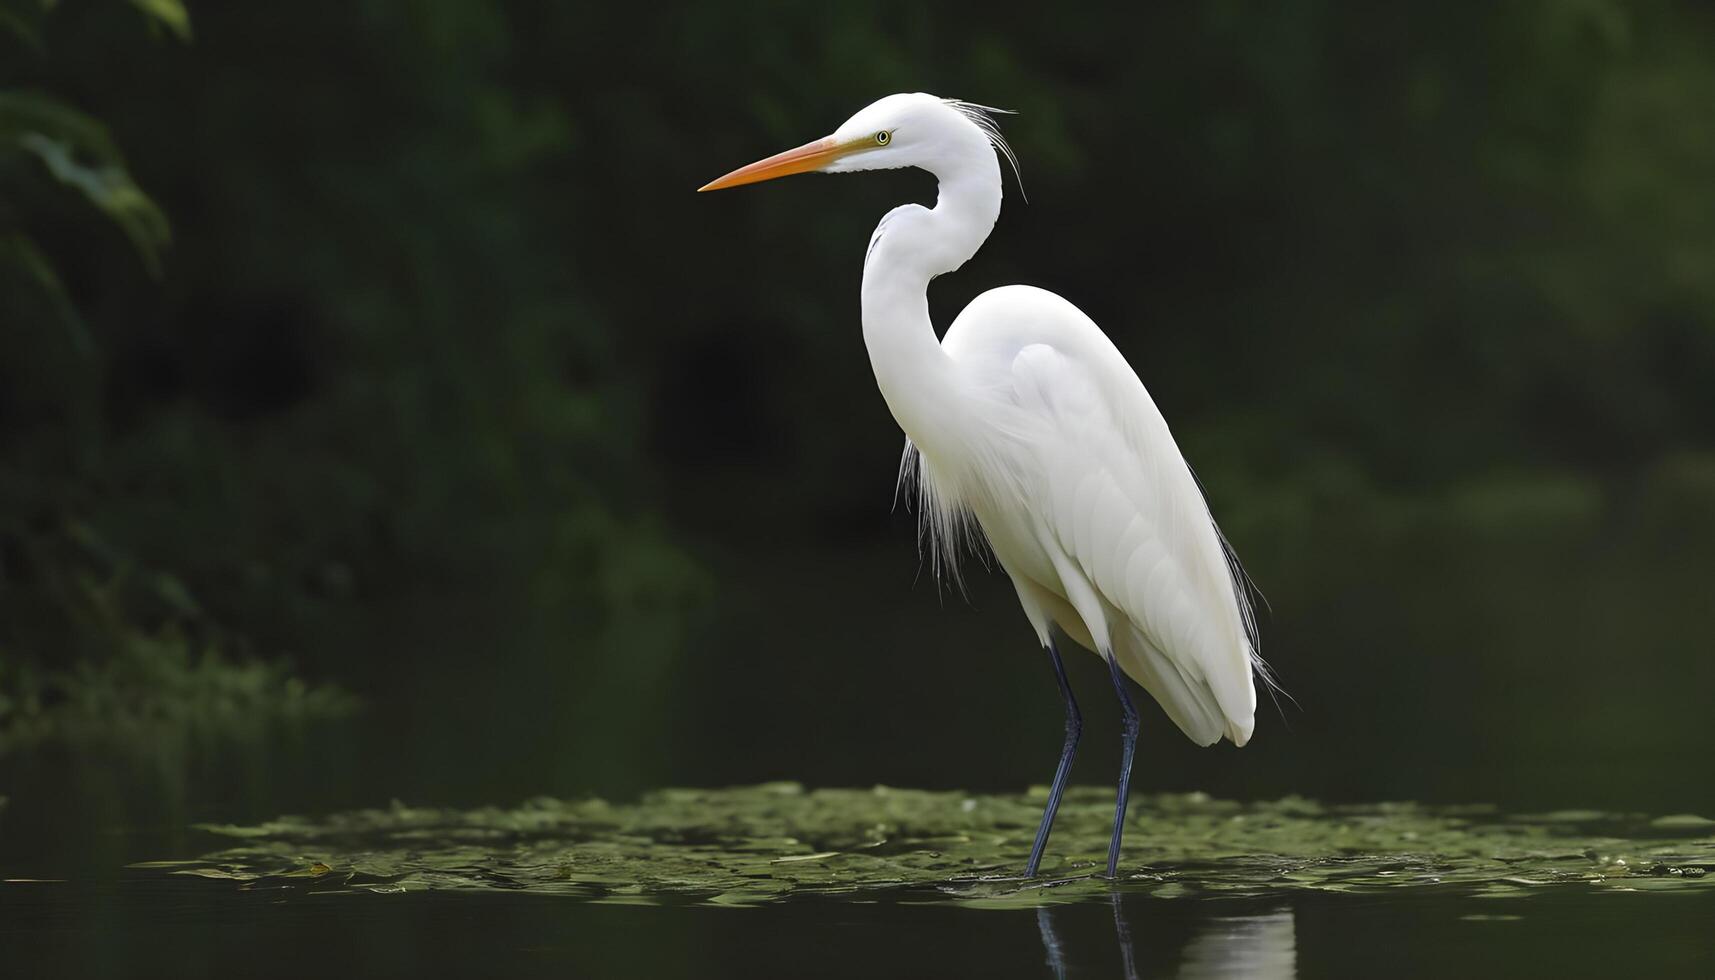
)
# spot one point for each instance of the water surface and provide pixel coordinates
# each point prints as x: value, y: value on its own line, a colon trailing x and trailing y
x: 780, y: 880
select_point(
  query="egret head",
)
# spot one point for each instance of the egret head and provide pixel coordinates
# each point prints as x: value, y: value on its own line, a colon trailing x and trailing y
x: 906, y: 130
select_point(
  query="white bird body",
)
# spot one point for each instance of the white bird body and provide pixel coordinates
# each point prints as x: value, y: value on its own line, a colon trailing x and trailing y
x: 1028, y: 420
x: 1090, y: 507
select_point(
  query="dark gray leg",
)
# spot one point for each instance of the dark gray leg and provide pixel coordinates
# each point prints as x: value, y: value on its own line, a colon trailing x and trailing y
x: 1074, y: 728
x: 1130, y: 743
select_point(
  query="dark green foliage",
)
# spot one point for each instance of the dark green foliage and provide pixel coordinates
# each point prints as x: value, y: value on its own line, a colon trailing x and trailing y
x: 364, y: 372
x: 1424, y: 291
x: 93, y: 643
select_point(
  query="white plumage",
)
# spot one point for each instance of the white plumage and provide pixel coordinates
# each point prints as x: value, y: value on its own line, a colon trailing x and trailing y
x: 1027, y: 421
x: 1090, y: 507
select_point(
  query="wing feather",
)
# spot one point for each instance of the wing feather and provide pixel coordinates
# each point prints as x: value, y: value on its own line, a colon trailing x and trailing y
x: 1115, y: 494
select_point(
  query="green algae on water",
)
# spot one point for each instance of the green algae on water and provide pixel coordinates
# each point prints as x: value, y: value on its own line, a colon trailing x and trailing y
x: 762, y: 844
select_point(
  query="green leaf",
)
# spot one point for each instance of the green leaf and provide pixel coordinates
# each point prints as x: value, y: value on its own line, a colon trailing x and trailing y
x: 170, y: 13
x: 110, y: 188
x: 22, y: 18
x: 27, y: 112
x: 18, y: 251
x: 78, y: 152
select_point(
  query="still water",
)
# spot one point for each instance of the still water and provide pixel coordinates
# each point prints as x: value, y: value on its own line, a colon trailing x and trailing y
x: 281, y: 852
x: 780, y: 880
x: 186, y: 929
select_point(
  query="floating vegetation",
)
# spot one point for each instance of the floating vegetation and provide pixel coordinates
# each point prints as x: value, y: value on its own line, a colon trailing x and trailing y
x: 760, y: 844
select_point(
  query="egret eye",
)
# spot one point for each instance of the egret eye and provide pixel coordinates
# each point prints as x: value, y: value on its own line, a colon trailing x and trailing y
x: 882, y: 137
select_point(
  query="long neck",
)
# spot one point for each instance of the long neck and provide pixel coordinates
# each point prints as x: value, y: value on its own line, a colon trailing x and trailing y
x: 910, y: 247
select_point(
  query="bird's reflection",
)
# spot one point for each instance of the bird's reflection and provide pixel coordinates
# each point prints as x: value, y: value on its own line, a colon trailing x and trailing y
x: 1122, y: 932
x: 1243, y: 946
x: 1051, y: 943
x: 1261, y: 946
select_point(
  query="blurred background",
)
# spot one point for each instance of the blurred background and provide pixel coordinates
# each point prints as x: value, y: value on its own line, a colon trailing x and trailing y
x: 382, y: 415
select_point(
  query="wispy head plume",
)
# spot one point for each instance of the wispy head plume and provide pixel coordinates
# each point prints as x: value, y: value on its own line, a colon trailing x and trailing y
x: 983, y: 116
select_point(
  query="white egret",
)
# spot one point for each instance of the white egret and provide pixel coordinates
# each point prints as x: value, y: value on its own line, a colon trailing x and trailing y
x: 1027, y: 421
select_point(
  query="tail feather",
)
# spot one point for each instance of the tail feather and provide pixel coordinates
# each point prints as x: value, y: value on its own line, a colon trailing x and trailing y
x: 1189, y: 702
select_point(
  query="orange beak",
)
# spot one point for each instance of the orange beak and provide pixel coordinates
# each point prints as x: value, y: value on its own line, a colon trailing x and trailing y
x: 810, y: 156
